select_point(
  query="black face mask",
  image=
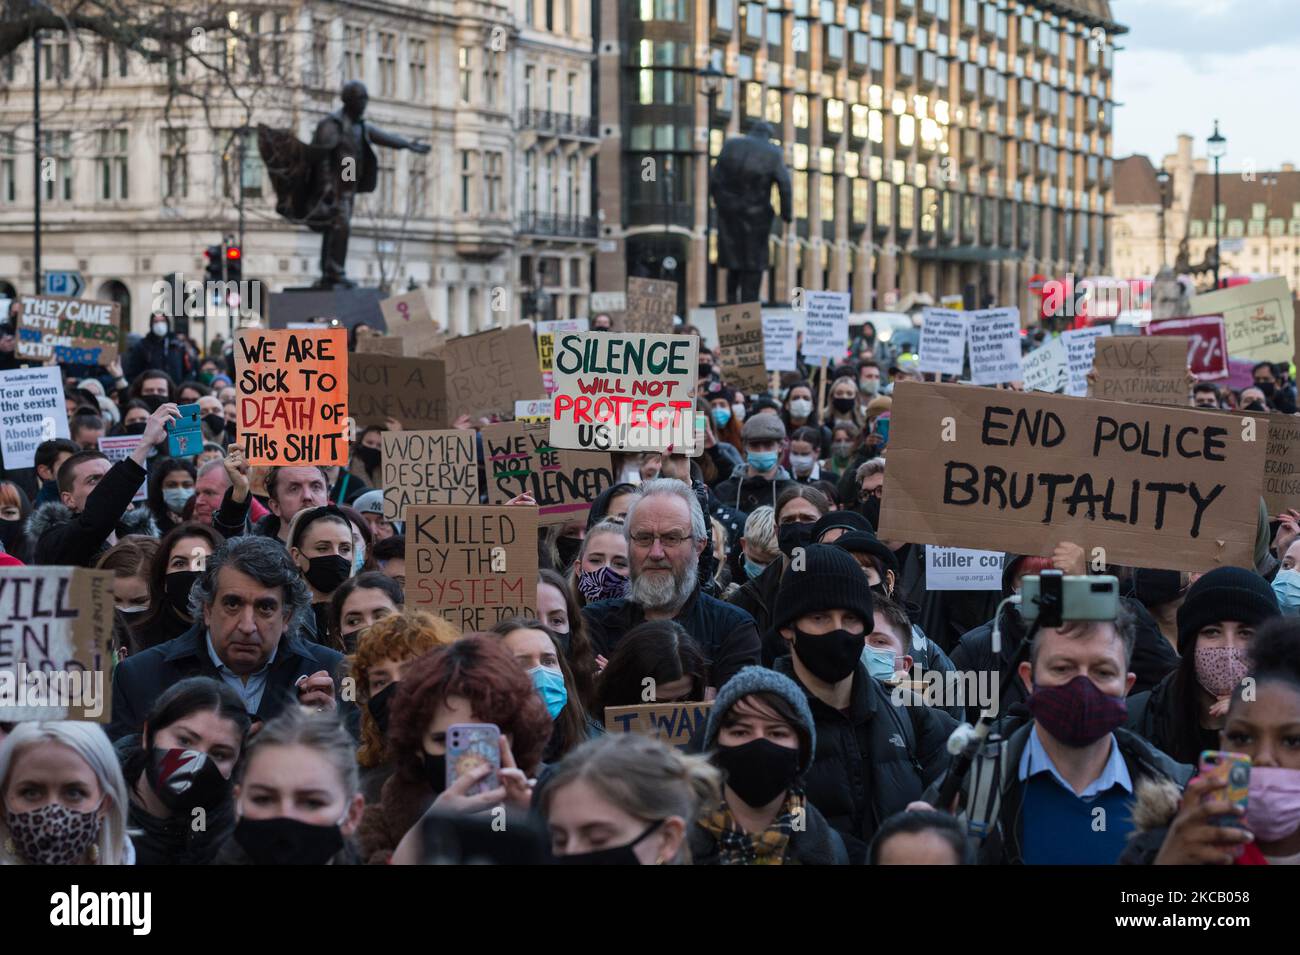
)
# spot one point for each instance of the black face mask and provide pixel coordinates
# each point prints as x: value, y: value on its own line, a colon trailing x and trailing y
x: 135, y: 427
x: 870, y: 509
x: 1268, y: 387
x: 9, y: 532
x: 178, y: 585
x: 758, y: 771
x: 216, y: 423
x: 563, y: 640
x: 1256, y: 406
x: 378, y: 706
x: 327, y: 573
x: 706, y: 370
x: 284, y: 841
x: 790, y: 536
x: 186, y: 779
x: 843, y: 405
x: 435, y: 771
x: 232, y: 432
x: 369, y: 457
x: 879, y: 590
x: 567, y: 548
x: 618, y: 855
x: 153, y: 401
x: 831, y: 656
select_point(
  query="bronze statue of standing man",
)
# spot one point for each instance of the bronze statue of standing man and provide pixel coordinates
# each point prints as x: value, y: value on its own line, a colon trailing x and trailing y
x: 741, y: 186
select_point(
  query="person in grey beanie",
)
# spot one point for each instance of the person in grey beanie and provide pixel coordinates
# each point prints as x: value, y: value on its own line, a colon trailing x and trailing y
x: 761, y: 734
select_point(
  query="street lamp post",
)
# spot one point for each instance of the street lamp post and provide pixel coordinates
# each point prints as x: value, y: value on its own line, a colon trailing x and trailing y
x: 710, y: 82
x: 1162, y: 177
x: 1217, y: 146
x: 36, y: 178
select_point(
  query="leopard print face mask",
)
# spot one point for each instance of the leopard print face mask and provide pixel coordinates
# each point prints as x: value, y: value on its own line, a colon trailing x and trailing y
x: 54, y: 834
x: 1220, y: 669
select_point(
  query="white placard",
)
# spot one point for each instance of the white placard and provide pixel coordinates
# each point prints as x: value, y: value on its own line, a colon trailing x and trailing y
x: 31, y: 411
x: 960, y: 568
x: 562, y: 325
x: 1080, y: 349
x: 533, y: 408
x: 780, y: 342
x: 1047, y: 368
x: 608, y: 301
x: 826, y: 331
x: 118, y: 448
x: 943, y: 341
x: 994, y: 337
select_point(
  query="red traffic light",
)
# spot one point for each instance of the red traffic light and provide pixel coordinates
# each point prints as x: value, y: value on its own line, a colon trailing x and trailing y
x: 232, y: 252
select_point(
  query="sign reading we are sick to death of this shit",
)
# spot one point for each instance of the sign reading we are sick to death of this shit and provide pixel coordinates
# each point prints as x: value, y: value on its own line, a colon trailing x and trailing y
x: 293, y: 395
x: 624, y: 392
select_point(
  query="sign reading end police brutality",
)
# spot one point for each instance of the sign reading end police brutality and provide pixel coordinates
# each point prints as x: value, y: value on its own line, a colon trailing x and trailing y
x: 624, y: 392
x: 293, y: 395
x: 1152, y: 486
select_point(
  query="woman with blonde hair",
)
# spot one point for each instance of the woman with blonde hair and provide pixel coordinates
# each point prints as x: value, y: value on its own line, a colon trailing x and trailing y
x: 63, y: 799
x: 626, y: 799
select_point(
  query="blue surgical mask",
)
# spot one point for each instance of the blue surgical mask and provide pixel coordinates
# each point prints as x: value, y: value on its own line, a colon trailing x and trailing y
x: 761, y: 461
x: 879, y: 663
x: 550, y: 685
x: 176, y: 498
x: 1286, y: 586
x: 752, y: 569
x: 721, y: 416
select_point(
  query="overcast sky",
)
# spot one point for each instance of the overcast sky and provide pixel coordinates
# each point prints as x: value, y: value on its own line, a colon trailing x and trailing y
x: 1185, y: 63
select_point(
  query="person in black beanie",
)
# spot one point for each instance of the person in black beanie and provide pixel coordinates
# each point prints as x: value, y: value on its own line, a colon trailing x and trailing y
x: 1182, y: 715
x: 872, y: 757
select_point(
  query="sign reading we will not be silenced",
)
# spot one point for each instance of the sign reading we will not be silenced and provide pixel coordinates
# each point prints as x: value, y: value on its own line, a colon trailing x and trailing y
x: 32, y: 410
x: 1154, y: 486
x: 71, y: 330
x: 293, y: 395
x: 520, y: 460
x: 624, y: 392
x: 474, y: 566
x: 427, y: 467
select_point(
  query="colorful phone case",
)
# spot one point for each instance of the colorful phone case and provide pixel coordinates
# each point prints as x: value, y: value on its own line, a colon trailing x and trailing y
x: 185, y: 434
x: 470, y: 746
x: 1235, y: 769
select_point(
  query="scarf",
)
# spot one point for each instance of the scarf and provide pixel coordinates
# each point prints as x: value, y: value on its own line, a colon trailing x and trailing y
x: 738, y: 847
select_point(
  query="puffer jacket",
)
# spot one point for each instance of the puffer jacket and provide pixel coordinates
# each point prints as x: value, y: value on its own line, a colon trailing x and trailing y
x: 872, y: 762
x: 66, y: 539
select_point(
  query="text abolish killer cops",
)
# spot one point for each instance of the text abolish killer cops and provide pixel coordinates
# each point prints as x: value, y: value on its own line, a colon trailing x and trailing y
x: 1134, y: 502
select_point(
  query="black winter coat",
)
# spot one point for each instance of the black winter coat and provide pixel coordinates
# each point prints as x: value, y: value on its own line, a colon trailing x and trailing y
x: 817, y: 844
x: 1153, y: 715
x: 873, y: 761
x: 757, y: 597
x: 65, y: 539
x: 745, y: 493
x: 152, y: 353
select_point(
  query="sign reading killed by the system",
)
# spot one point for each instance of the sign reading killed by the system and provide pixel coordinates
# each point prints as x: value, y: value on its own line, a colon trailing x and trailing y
x: 943, y: 342
x: 1150, y: 486
x: 1259, y: 318
x: 1149, y: 369
x: 474, y: 566
x: 428, y: 467
x: 488, y: 372
x: 740, y: 347
x: 994, y: 338
x: 410, y: 390
x: 651, y: 304
x: 519, y: 459
x: 32, y: 410
x: 72, y: 331
x: 293, y: 395
x: 1207, y: 352
x: 624, y: 392
x: 56, y: 630
x: 672, y: 723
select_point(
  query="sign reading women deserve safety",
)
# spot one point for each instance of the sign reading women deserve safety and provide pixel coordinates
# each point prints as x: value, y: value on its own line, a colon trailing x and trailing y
x: 624, y: 392
x: 427, y: 467
x: 1149, y: 486
x: 293, y: 395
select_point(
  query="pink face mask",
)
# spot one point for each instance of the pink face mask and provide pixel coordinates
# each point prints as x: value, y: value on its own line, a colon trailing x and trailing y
x: 1273, y: 807
x: 1220, y: 669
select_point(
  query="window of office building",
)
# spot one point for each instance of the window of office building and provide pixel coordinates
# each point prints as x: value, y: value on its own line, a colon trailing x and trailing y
x: 113, y: 172
x: 174, y: 164
x: 465, y: 72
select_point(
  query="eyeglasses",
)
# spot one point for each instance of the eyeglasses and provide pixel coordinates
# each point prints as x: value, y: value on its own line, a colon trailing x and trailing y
x: 876, y: 492
x: 669, y: 540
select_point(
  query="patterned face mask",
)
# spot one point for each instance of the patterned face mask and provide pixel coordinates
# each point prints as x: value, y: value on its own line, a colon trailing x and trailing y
x: 54, y: 834
x: 603, y: 584
x: 1220, y: 669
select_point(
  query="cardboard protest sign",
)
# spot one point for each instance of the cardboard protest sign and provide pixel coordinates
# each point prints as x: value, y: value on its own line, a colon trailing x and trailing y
x: 408, y: 317
x: 671, y: 723
x: 1207, y: 352
x: 826, y: 328
x: 118, y: 448
x: 780, y: 342
x: 1282, y: 463
x: 994, y: 337
x: 428, y: 467
x: 624, y: 391
x: 651, y: 304
x: 31, y: 411
x: 292, y: 387
x: 1258, y: 316
x: 56, y: 656
x: 1152, y: 486
x: 1046, y: 368
x: 474, y: 566
x: 943, y: 342
x: 381, y: 345
x: 740, y: 347
x: 546, y: 332
x: 488, y: 372
x: 961, y: 568
x: 519, y: 459
x: 411, y: 390
x: 1149, y: 369
x: 1080, y: 347
x: 73, y: 331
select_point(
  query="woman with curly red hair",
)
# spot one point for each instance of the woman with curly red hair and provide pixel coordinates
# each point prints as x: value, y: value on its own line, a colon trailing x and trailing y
x: 475, y: 680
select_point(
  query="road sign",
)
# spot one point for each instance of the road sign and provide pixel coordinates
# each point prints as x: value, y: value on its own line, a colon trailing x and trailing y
x: 67, y: 283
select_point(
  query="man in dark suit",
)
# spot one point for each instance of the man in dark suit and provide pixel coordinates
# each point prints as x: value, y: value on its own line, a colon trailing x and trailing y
x: 247, y: 605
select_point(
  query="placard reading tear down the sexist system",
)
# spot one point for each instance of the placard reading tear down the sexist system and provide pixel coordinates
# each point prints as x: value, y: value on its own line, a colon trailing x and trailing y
x: 1021, y: 472
x: 628, y: 392
x: 293, y: 395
